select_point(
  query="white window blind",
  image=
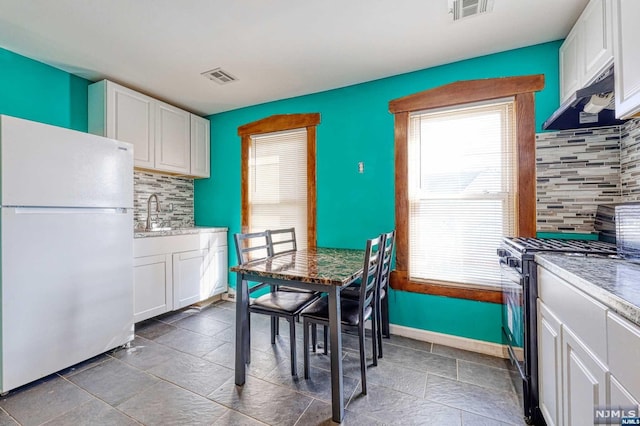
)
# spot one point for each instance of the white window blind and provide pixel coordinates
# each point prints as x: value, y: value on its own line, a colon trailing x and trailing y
x: 462, y: 191
x: 278, y: 182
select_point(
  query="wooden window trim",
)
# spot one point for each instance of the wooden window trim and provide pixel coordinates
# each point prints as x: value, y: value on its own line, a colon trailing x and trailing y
x: 457, y: 93
x: 279, y: 123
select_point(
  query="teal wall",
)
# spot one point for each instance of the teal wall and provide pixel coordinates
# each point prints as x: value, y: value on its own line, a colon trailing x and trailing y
x: 39, y: 92
x: 356, y: 126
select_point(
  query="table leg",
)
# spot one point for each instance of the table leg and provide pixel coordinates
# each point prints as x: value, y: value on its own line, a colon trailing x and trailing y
x: 242, y: 296
x: 335, y: 332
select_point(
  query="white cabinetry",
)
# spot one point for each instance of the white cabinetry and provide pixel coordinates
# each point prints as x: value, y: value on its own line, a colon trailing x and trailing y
x: 584, y: 380
x: 161, y: 133
x: 624, y: 353
x: 171, y: 272
x: 152, y: 292
x: 588, y: 49
x: 549, y: 365
x: 173, y: 139
x: 587, y: 354
x: 200, y: 142
x: 627, y: 58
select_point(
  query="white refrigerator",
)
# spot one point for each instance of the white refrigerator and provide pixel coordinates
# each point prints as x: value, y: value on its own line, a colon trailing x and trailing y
x: 66, y: 232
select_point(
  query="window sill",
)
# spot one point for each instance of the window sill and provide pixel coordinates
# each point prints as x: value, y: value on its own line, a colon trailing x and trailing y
x: 400, y: 281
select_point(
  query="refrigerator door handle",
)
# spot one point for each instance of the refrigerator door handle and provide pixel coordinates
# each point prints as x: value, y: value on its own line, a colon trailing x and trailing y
x: 69, y: 210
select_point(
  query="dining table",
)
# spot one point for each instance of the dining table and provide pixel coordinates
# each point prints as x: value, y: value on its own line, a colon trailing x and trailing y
x: 327, y: 270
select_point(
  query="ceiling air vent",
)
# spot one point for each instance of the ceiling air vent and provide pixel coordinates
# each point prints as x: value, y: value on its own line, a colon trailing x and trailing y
x: 460, y: 9
x: 219, y: 76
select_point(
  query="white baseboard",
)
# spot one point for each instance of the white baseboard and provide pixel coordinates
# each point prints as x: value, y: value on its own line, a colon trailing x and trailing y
x: 473, y: 345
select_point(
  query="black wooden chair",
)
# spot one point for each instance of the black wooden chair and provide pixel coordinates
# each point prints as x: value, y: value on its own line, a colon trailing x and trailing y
x: 276, y: 304
x: 354, y: 312
x: 382, y: 301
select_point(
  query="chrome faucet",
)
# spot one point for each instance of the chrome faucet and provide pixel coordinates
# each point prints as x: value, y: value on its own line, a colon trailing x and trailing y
x: 154, y: 195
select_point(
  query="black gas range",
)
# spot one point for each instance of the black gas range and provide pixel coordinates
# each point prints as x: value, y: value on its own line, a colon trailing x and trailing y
x: 519, y: 313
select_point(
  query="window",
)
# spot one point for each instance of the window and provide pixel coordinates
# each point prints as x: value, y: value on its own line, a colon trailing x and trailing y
x: 279, y: 175
x: 461, y: 192
x: 410, y: 275
x: 278, y: 182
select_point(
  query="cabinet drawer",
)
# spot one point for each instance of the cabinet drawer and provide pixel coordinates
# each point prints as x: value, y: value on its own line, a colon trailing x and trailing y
x: 624, y: 352
x: 584, y: 315
x: 151, y: 246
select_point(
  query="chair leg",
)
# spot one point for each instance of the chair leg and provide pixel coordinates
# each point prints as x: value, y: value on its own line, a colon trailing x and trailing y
x: 379, y: 328
x: 292, y: 345
x: 385, y: 315
x: 277, y: 325
x: 305, y: 327
x: 274, y: 328
x: 325, y: 331
x: 314, y: 337
x: 363, y: 360
x: 374, y: 337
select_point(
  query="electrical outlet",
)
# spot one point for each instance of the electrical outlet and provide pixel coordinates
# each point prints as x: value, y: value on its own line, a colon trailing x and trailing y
x: 361, y: 167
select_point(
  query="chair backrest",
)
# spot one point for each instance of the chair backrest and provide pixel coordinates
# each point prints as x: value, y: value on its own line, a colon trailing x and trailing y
x: 252, y: 246
x: 388, y: 243
x: 282, y: 240
x: 370, y: 272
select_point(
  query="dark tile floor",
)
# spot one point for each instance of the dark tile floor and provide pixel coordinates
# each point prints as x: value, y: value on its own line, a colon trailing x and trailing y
x: 179, y: 371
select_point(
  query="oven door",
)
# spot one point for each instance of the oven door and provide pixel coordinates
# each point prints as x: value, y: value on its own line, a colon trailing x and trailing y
x: 513, y: 323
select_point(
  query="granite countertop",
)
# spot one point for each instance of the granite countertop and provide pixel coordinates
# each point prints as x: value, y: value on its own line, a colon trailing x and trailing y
x: 314, y: 265
x: 613, y: 282
x: 178, y: 231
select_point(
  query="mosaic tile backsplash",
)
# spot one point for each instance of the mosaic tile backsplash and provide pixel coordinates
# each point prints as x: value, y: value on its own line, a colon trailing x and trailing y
x: 630, y: 160
x: 175, y: 195
x: 576, y: 170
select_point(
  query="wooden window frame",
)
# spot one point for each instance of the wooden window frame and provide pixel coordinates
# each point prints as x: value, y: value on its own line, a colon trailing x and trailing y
x: 462, y: 92
x: 279, y: 123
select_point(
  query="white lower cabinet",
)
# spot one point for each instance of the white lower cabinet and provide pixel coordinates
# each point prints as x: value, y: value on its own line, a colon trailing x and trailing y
x: 191, y: 277
x: 584, y: 381
x: 152, y: 291
x: 587, y: 354
x: 171, y: 272
x: 549, y: 365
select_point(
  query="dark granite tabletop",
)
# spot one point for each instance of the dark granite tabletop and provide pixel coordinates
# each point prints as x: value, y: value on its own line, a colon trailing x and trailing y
x: 613, y: 282
x: 328, y: 266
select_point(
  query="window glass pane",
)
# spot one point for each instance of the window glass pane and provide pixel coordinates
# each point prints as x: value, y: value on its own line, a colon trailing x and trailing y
x: 278, y: 182
x: 461, y: 192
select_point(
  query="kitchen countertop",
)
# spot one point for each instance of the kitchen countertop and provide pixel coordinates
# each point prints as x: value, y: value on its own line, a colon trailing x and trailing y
x: 613, y: 282
x: 178, y: 231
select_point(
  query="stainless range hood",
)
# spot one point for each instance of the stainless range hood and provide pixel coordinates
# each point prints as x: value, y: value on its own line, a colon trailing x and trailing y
x: 588, y: 107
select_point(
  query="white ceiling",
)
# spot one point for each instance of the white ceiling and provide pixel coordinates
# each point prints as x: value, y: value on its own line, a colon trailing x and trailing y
x: 276, y: 48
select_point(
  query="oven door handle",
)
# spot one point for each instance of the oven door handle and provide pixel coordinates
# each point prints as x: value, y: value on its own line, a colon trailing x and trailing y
x: 512, y: 274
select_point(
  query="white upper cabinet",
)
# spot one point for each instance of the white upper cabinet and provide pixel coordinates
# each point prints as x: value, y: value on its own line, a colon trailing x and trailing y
x: 200, y: 141
x: 173, y: 139
x: 123, y: 114
x: 627, y: 58
x: 588, y: 49
x: 161, y: 133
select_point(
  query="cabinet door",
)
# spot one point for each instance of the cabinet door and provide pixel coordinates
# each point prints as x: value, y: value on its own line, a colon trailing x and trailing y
x: 152, y: 286
x: 570, y: 71
x: 627, y: 57
x: 585, y: 380
x: 191, y: 277
x: 597, y: 39
x: 173, y: 139
x: 218, y: 267
x: 550, y: 365
x: 200, y: 140
x: 130, y: 118
x: 621, y: 397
